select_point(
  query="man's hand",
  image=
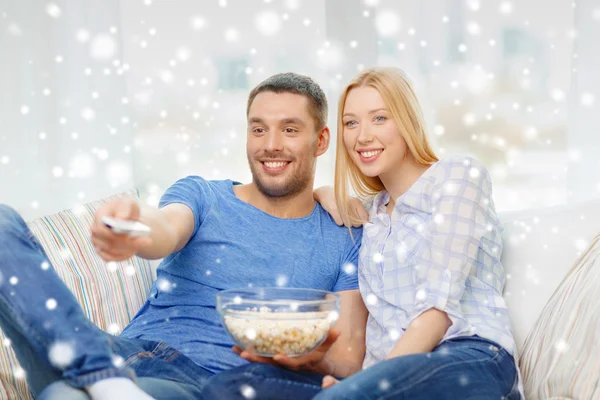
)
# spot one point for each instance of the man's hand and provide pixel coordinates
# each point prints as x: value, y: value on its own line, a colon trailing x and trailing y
x: 311, y: 362
x: 117, y: 247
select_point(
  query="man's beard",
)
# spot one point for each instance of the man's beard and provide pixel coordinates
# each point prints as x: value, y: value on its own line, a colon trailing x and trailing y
x: 288, y: 188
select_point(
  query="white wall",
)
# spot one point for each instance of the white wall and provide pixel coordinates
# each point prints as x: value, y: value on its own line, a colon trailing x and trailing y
x: 62, y: 140
x: 165, y: 108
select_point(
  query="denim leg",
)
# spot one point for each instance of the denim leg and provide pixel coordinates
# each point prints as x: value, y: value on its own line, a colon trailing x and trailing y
x: 160, y: 389
x: 462, y: 369
x: 262, y: 381
x: 162, y: 372
x: 159, y: 360
x: 38, y: 311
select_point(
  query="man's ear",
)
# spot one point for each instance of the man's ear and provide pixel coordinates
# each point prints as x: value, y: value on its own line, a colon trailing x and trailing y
x: 322, y: 141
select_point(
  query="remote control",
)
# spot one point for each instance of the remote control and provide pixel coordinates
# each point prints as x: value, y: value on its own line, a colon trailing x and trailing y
x: 129, y: 228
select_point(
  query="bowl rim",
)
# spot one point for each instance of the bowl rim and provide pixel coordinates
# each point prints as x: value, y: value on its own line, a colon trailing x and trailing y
x: 334, y: 299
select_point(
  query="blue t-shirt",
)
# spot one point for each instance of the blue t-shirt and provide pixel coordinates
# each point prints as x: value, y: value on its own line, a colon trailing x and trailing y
x: 236, y: 245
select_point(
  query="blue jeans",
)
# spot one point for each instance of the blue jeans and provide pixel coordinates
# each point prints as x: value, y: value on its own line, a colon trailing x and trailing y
x: 26, y: 285
x: 462, y: 368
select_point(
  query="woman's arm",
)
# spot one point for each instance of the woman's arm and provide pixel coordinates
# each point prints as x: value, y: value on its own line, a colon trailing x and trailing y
x: 423, y: 334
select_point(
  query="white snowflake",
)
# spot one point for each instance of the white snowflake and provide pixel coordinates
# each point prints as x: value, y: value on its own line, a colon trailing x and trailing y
x: 473, y: 5
x: 103, y: 47
x: 558, y: 95
x: 473, y: 28
x: 561, y: 346
x: 19, y: 373
x: 394, y: 334
x: 282, y: 281
x: 88, y: 114
x: 51, y: 304
x: 82, y: 165
x: 387, y: 23
x: 118, y: 173
x: 333, y: 316
x: 183, y: 54
x: 197, y: 22
x: 349, y: 268
x: 61, y: 354
x: 13, y: 280
x: 82, y: 36
x: 268, y: 23
x: 587, y: 99
x: 377, y: 257
x: 250, y: 333
x: 506, y: 7
x: 291, y: 4
x: 164, y: 285
x: 384, y: 385
x: 232, y: 35
x: 113, y: 329
x: 371, y: 299
x: 118, y: 361
x: 57, y: 172
x: 112, y: 266
x: 53, y: 10
x: 248, y: 391
x: 330, y: 56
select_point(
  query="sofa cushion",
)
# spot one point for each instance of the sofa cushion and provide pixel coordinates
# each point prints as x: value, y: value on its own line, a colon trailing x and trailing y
x: 539, y: 248
x: 560, y: 355
x: 109, y: 294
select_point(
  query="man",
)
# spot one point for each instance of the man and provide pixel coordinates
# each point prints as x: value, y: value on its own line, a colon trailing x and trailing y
x: 213, y: 235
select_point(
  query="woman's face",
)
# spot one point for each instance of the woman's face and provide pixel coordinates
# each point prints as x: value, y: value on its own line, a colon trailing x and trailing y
x: 370, y: 134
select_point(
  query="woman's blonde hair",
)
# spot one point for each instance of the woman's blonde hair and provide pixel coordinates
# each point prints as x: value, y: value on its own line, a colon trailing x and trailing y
x: 400, y: 99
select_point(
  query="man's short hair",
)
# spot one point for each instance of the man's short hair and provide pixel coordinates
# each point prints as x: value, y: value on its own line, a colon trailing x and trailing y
x: 299, y: 84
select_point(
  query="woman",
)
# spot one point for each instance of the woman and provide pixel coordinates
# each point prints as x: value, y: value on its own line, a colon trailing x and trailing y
x: 429, y: 269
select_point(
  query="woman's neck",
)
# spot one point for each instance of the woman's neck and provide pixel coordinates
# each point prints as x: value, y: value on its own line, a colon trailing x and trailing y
x: 401, y: 179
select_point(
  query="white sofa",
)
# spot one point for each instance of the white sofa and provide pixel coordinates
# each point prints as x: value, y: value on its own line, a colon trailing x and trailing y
x: 539, y: 248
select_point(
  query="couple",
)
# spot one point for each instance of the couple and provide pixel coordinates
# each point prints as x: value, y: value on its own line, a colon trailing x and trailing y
x: 421, y: 304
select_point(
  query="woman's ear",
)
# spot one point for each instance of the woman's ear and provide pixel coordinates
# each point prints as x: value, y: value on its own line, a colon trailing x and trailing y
x: 322, y: 141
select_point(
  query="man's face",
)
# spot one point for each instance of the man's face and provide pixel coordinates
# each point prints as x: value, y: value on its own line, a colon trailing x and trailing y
x: 283, y: 143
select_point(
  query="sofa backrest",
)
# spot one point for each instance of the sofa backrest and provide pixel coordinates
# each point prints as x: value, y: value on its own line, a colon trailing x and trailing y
x: 109, y: 294
x: 540, y: 246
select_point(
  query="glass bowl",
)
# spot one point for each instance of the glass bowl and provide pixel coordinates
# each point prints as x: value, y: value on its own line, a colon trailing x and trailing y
x: 270, y: 321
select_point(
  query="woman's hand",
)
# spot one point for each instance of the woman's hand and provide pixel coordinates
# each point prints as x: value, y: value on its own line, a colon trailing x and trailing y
x: 326, y: 197
x: 329, y: 381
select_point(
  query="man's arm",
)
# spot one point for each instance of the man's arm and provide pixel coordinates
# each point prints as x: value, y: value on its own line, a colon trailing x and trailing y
x: 172, y: 226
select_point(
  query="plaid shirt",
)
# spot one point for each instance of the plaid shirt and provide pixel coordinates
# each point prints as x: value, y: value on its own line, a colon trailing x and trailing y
x: 440, y: 249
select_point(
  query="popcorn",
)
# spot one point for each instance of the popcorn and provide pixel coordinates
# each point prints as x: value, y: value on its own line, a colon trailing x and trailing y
x: 268, y: 333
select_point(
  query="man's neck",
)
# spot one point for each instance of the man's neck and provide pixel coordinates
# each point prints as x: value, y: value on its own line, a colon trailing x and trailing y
x: 297, y: 206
